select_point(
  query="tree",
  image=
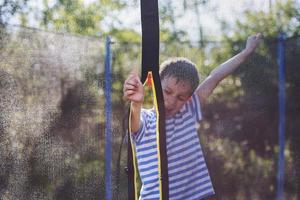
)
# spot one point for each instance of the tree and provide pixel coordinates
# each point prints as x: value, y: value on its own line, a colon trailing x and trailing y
x: 9, y: 8
x: 77, y: 17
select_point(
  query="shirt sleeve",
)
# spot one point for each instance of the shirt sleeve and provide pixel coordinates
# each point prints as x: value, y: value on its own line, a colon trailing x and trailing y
x: 195, y: 107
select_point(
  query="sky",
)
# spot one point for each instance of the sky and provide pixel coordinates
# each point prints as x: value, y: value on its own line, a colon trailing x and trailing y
x: 228, y: 10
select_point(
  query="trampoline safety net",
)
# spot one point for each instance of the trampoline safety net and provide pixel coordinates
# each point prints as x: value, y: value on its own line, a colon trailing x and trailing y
x: 52, y: 116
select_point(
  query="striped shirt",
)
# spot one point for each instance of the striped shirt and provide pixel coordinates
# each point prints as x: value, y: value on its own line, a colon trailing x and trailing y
x: 188, y: 174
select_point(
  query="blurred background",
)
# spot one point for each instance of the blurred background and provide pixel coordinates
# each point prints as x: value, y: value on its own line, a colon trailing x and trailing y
x: 52, y: 104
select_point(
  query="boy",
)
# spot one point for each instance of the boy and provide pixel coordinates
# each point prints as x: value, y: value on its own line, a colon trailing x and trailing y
x: 183, y: 98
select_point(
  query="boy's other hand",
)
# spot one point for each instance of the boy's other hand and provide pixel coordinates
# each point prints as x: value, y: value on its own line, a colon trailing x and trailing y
x: 252, y: 42
x: 133, y: 89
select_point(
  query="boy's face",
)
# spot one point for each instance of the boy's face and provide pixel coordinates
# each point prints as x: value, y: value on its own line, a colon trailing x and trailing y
x: 176, y: 93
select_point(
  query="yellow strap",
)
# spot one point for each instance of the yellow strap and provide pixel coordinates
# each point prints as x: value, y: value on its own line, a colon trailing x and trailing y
x: 135, y: 172
x: 148, y: 82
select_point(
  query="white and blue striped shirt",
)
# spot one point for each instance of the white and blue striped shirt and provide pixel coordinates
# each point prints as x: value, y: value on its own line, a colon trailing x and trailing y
x: 188, y: 175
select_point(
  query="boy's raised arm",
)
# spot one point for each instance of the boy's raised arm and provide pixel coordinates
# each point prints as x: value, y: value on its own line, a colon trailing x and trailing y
x: 134, y: 91
x: 226, y: 68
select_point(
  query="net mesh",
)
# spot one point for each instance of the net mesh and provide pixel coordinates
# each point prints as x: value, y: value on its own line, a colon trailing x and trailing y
x: 52, y: 116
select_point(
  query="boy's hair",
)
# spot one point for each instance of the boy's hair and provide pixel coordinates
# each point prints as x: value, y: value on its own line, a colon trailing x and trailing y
x: 182, y: 69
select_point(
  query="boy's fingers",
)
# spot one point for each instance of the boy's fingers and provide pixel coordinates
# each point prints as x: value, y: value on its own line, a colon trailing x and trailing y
x: 127, y: 97
x: 132, y: 83
x: 133, y: 80
x: 128, y: 94
x: 129, y: 87
x: 133, y: 75
x: 258, y: 36
x: 130, y: 78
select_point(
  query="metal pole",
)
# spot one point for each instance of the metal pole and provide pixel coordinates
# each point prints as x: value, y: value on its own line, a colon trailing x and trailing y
x: 281, y: 127
x: 108, y: 134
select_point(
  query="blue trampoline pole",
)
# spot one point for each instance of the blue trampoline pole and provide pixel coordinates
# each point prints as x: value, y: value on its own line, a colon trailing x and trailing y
x: 108, y: 134
x: 281, y: 127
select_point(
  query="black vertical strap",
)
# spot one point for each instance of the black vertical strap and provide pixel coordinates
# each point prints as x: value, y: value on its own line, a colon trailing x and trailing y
x: 150, y: 37
x: 150, y: 62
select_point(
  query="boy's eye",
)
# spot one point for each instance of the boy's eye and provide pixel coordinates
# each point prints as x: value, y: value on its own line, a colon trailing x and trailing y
x: 167, y: 91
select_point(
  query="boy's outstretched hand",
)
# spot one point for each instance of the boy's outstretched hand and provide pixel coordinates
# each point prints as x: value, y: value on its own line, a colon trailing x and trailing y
x: 252, y: 42
x: 133, y: 89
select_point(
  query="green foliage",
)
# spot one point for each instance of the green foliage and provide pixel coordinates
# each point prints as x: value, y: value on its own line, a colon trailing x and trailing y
x: 77, y: 17
x: 66, y: 154
x: 73, y: 17
x: 283, y: 18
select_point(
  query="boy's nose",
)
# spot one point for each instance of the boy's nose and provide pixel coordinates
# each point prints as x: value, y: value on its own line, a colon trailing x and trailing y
x: 170, y: 102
